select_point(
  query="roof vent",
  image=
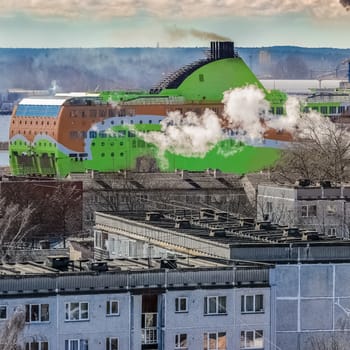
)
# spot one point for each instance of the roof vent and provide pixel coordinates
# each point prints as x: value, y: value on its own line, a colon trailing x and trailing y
x: 153, y: 216
x: 168, y: 264
x: 206, y: 213
x: 100, y: 266
x: 310, y: 236
x: 263, y: 225
x: 303, y: 182
x: 291, y: 232
x: 217, y: 232
x: 58, y: 262
x: 182, y: 223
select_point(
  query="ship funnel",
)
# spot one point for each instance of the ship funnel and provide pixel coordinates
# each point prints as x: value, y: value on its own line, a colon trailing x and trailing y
x: 221, y: 49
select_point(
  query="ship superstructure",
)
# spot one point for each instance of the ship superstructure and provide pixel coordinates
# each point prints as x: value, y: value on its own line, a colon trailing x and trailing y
x: 58, y: 135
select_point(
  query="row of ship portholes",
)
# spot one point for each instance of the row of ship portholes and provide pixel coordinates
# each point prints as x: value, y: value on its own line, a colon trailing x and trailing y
x: 31, y: 122
x: 44, y: 144
x: 29, y: 132
x: 122, y: 122
x: 102, y: 155
x: 134, y: 144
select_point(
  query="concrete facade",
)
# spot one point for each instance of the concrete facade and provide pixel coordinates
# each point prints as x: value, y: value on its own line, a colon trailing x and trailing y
x: 323, y: 209
x: 147, y: 314
x: 312, y: 301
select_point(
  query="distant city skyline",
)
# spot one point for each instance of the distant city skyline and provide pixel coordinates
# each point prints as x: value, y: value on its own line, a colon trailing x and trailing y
x: 139, y: 23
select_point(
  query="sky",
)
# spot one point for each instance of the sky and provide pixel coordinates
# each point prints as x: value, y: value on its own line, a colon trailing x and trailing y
x: 171, y: 23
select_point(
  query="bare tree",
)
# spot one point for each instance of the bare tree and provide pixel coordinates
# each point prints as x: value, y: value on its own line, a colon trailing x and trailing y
x: 322, y: 152
x: 12, y: 330
x: 15, y: 225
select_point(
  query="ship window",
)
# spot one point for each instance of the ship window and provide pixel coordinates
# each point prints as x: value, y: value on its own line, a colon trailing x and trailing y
x: 92, y: 134
x: 122, y: 133
x: 134, y: 143
x: 141, y: 144
x: 102, y: 113
x: 48, y: 123
x: 341, y: 109
x: 279, y: 110
x: 141, y: 122
x: 112, y: 122
x: 92, y: 143
x: 201, y: 77
x: 315, y: 108
x: 42, y: 123
x: 83, y: 114
x: 112, y: 143
x: 112, y: 154
x: 121, y: 154
x: 102, y: 143
x: 122, y: 144
x: 332, y: 110
x: 122, y: 122
x: 102, y: 134
x: 131, y: 122
x: 20, y: 121
x: 272, y: 110
x: 150, y: 122
x: 324, y: 110
x: 102, y: 154
x: 131, y: 134
x: 110, y: 113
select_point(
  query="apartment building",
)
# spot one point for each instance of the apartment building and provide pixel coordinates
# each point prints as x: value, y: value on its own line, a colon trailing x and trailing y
x: 217, y: 307
x: 324, y: 208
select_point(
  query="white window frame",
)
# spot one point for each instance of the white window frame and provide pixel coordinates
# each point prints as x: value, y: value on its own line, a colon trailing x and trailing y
x: 244, y: 308
x: 243, y: 339
x: 178, y: 304
x: 217, y: 311
x: 29, y: 313
x: 109, y: 344
x: 207, y: 337
x: 178, y: 340
x: 69, y: 344
x: 3, y: 307
x: 41, y: 344
x: 307, y: 211
x: 69, y: 311
x: 109, y: 307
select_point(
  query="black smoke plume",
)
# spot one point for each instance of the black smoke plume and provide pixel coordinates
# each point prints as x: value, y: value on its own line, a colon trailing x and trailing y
x: 346, y: 4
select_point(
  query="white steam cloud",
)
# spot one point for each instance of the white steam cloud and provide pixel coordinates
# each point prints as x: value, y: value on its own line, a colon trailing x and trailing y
x: 169, y: 9
x: 246, y: 112
x: 189, y: 135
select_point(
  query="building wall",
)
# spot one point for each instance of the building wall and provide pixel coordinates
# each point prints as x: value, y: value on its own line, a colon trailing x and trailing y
x: 325, y: 210
x: 126, y: 326
x: 312, y: 300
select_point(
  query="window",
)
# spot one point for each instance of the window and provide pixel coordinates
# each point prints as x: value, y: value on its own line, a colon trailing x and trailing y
x: 252, y: 339
x: 279, y: 110
x: 112, y: 307
x: 37, y: 313
x: 37, y: 345
x: 332, y: 110
x: 331, y: 209
x: 214, y: 341
x: 3, y: 312
x: 77, y: 311
x: 324, y: 109
x: 308, y: 210
x: 215, y: 305
x: 76, y: 344
x: 181, y: 304
x: 111, y: 343
x: 252, y: 303
x: 332, y: 231
x: 181, y: 341
x: 341, y: 109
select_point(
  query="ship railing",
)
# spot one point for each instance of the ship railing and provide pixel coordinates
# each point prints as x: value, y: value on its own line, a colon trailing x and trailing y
x: 155, y: 100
